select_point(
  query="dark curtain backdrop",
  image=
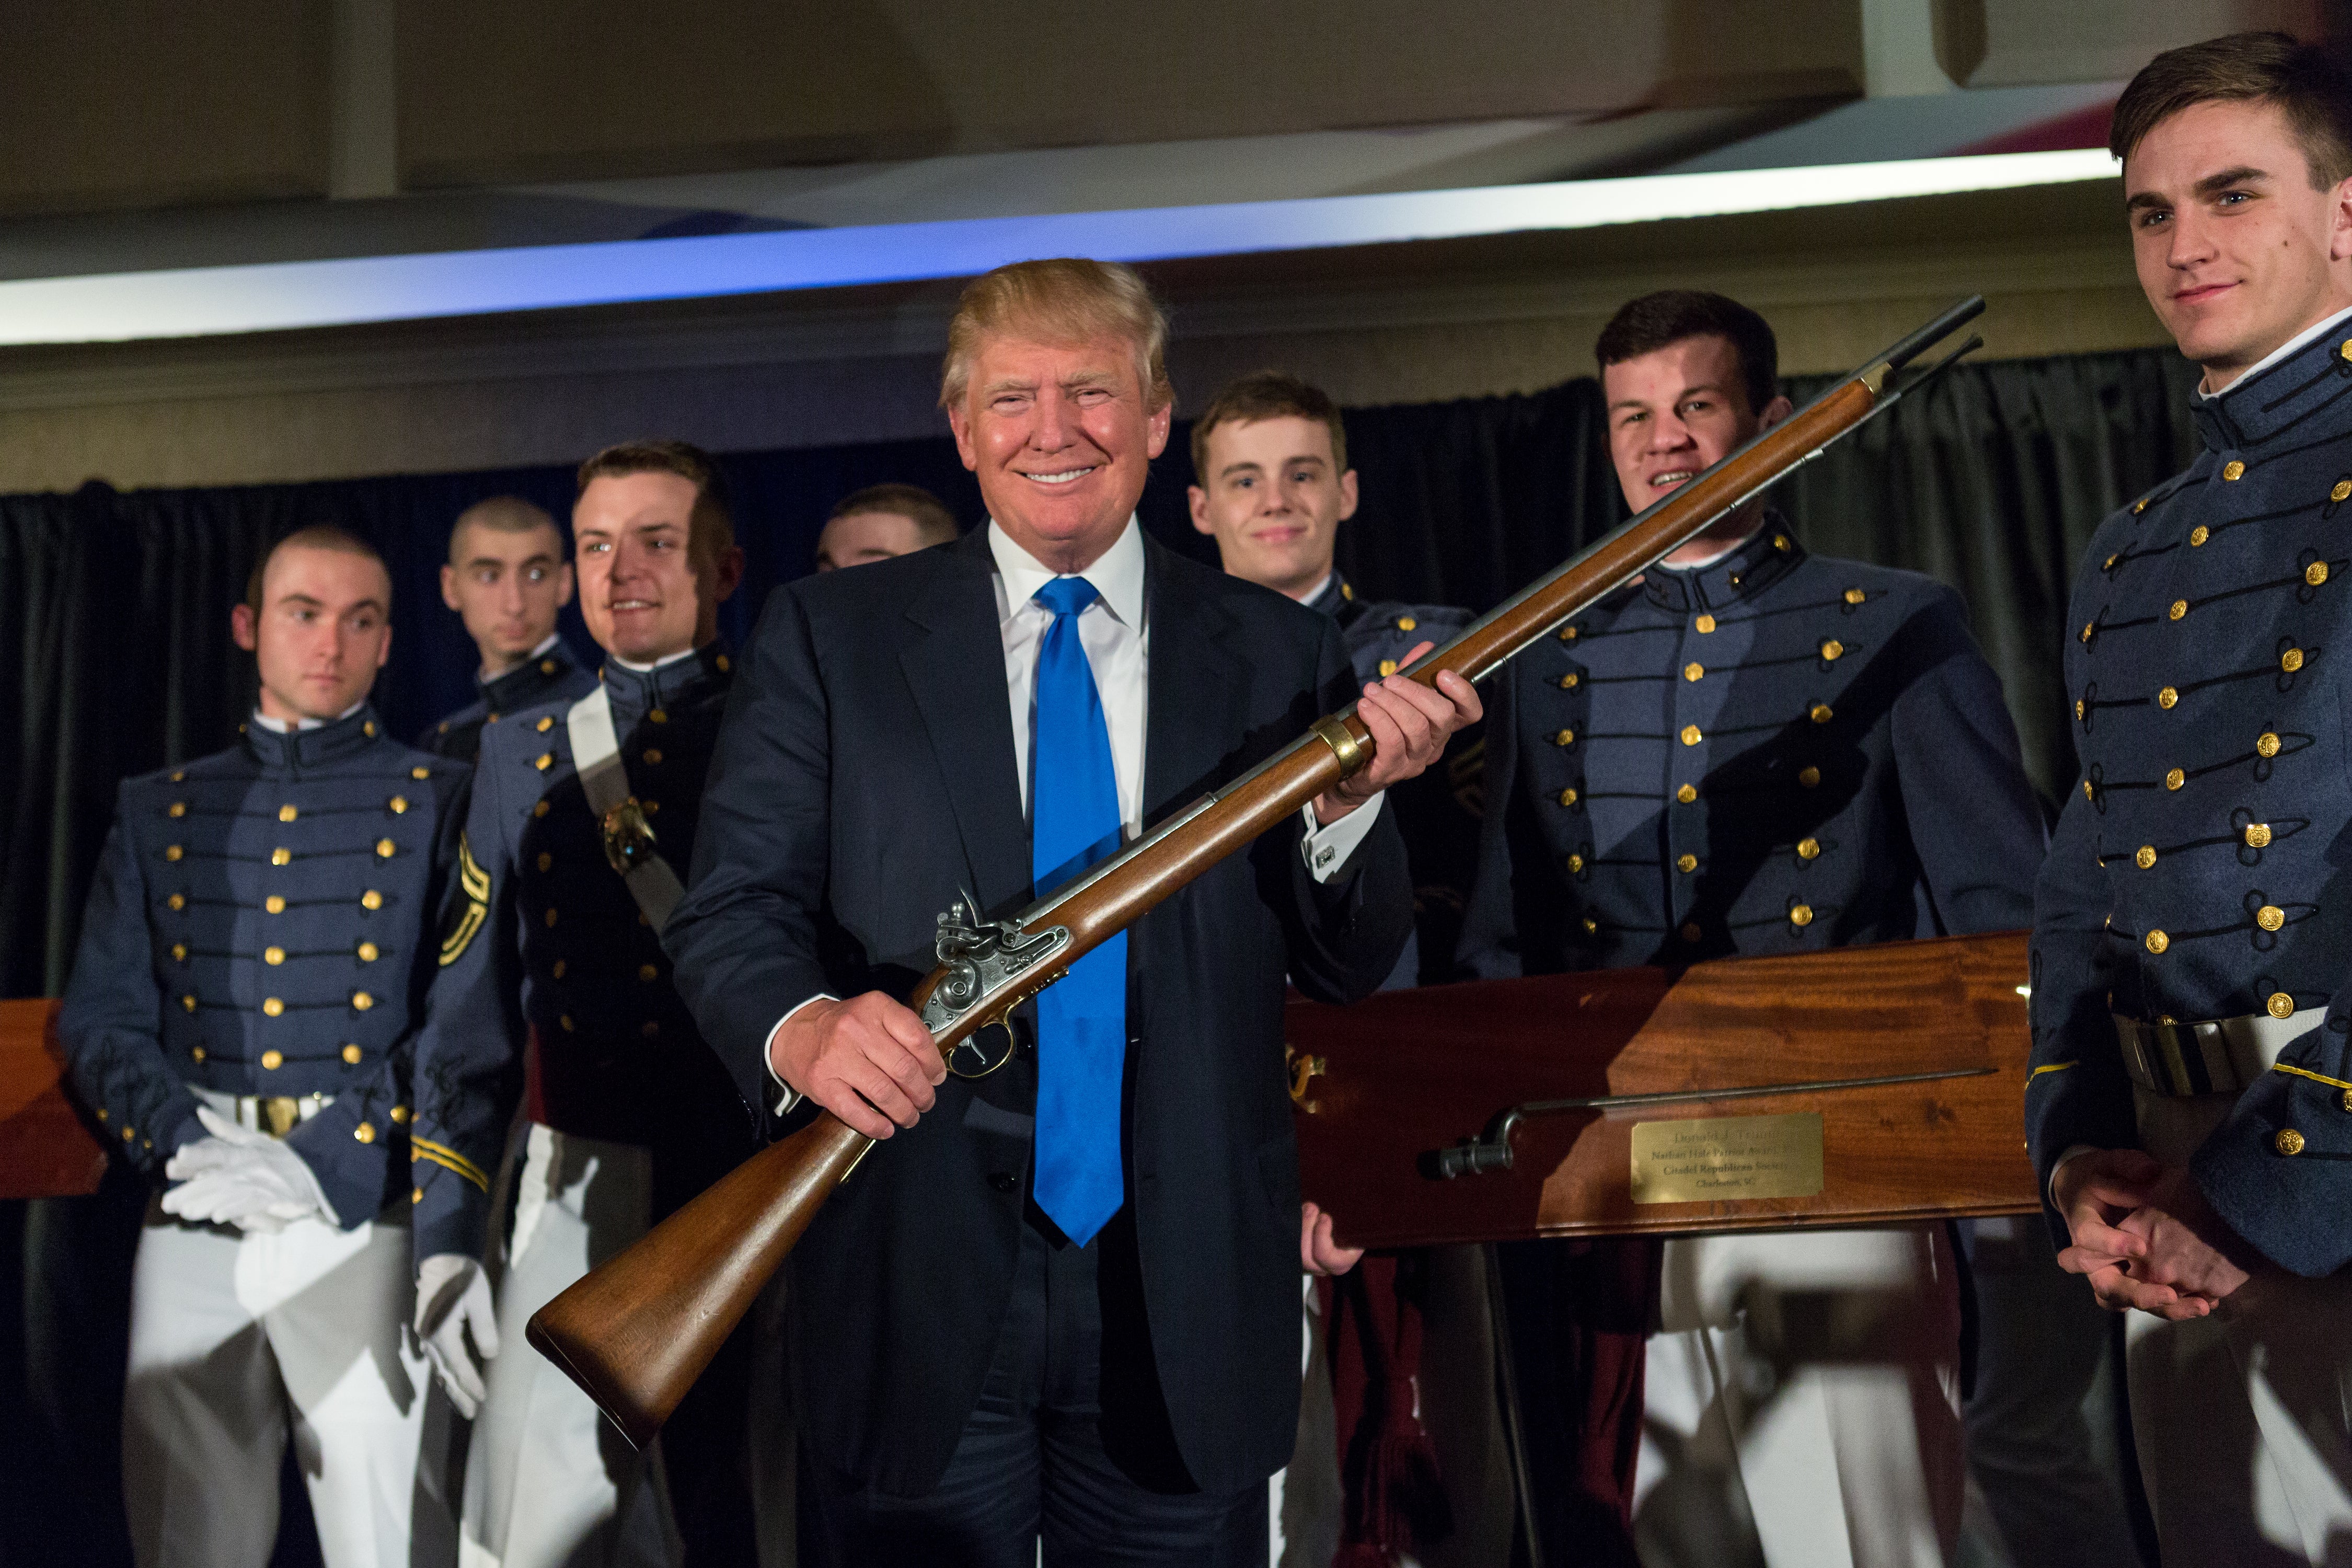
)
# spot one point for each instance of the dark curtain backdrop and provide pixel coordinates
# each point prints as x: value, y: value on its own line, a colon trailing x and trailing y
x: 116, y: 604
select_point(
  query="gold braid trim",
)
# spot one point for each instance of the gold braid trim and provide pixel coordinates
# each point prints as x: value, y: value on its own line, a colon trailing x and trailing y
x: 2315, y: 1077
x: 2052, y: 1066
x: 475, y: 883
x: 442, y: 1154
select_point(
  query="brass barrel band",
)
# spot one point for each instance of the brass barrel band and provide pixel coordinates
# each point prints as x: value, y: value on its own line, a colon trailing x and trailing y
x: 1334, y: 732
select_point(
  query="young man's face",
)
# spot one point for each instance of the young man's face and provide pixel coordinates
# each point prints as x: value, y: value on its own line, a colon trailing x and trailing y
x: 507, y: 587
x: 864, y: 536
x: 1675, y: 411
x: 324, y: 630
x: 2235, y: 249
x: 1060, y: 436
x: 1273, y: 496
x: 641, y: 590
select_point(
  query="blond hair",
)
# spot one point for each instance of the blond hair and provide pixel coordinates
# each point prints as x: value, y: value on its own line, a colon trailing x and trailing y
x: 1064, y: 299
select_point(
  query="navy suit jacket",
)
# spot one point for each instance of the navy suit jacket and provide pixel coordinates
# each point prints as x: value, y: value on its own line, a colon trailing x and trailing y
x: 864, y: 773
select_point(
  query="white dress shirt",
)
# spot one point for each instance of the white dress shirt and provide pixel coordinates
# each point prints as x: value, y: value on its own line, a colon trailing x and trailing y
x: 1115, y: 633
x: 281, y: 726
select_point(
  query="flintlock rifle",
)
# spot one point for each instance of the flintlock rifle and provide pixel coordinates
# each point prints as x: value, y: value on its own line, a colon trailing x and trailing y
x: 639, y: 1327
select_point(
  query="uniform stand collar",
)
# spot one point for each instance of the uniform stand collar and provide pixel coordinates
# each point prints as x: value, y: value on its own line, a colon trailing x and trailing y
x: 1334, y: 597
x: 1762, y: 559
x: 672, y: 685
x: 310, y: 748
x: 2282, y: 397
x: 522, y: 685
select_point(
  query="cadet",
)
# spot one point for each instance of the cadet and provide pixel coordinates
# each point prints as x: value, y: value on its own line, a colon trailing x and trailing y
x: 581, y: 813
x: 255, y: 947
x: 880, y: 521
x: 507, y: 577
x: 1750, y: 751
x: 2191, y: 1104
x: 1272, y: 487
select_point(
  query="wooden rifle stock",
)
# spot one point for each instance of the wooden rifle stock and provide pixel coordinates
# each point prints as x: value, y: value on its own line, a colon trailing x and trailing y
x: 636, y: 1332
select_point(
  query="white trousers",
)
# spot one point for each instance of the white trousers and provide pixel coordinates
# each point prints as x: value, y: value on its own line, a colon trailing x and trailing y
x: 2243, y: 1420
x: 1802, y: 1406
x: 239, y: 1342
x: 548, y: 1482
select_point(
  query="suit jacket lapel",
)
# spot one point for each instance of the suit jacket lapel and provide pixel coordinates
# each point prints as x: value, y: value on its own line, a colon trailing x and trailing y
x: 1188, y: 729
x: 954, y: 660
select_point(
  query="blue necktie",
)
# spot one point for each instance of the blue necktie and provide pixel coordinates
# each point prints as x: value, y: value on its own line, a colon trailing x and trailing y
x: 1081, y: 1021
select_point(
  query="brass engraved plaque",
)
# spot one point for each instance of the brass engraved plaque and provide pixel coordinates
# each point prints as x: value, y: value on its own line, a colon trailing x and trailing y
x: 1714, y: 1159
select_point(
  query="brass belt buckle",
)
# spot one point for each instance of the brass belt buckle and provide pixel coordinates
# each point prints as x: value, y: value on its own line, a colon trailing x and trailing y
x: 628, y: 836
x: 279, y: 1114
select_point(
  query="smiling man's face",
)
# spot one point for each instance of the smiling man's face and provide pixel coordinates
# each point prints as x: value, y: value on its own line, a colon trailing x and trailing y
x: 642, y: 593
x: 2236, y: 250
x: 1060, y: 436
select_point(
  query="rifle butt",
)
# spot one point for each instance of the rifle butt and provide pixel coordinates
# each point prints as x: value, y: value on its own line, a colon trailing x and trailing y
x: 639, y: 1327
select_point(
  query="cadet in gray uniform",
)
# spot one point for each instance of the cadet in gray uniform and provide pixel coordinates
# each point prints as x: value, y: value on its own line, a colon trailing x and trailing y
x: 506, y: 577
x: 255, y: 951
x: 2191, y: 1103
x: 554, y: 980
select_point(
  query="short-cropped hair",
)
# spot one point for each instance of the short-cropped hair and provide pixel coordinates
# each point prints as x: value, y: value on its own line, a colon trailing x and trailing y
x: 711, y: 526
x: 316, y: 536
x: 503, y: 514
x: 1268, y: 395
x: 2301, y: 79
x: 934, y: 524
x: 1065, y: 299
x: 1656, y: 320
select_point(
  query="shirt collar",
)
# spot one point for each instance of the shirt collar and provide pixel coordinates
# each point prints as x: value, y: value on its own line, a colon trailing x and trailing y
x: 2284, y: 351
x: 661, y: 663
x: 1118, y: 574
x: 280, y: 727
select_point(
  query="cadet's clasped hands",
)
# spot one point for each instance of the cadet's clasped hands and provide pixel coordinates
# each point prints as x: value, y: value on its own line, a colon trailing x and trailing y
x: 2145, y: 1237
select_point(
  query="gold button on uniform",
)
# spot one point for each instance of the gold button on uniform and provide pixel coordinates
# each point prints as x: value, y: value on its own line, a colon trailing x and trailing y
x: 1690, y: 930
x: 2078, y: 710
x: 657, y: 716
x: 1691, y: 736
x: 2174, y: 778
x: 385, y: 849
x: 652, y: 806
x: 273, y: 955
x: 398, y: 804
x: 1704, y: 624
x: 287, y: 813
x: 2258, y: 835
x: 2166, y: 697
x: 368, y: 729
x: 371, y: 899
x: 271, y: 1006
x: 544, y: 761
x: 1694, y: 671
x: 352, y: 1055
x: 2288, y: 1141
x: 273, y: 1060
x: 2157, y: 942
x: 1388, y: 668
x: 1568, y: 796
x: 545, y: 860
x: 551, y: 918
x: 2087, y: 790
x: 281, y: 857
x: 2233, y: 469
x: 1801, y: 915
x: 2199, y: 535
x: 1821, y: 713
x: 2279, y: 1005
x: 2139, y: 506
x: 180, y: 951
x: 361, y: 1001
x: 1687, y: 864
x: 1856, y: 595
x: 195, y: 1053
x: 547, y: 666
x: 1406, y: 623
x: 558, y: 970
x: 2089, y: 629
x: 2315, y: 573
x: 648, y: 974
x: 539, y: 809
x: 2267, y: 743
x: 1779, y: 542
x: 723, y: 667
x: 1591, y: 926
x: 400, y: 1114
x: 364, y: 1133
x: 1809, y: 778
x: 1809, y: 849
x: 1567, y: 682
x: 1687, y: 793
x: 544, y: 725
x: 1833, y: 650
x: 417, y: 1195
x: 369, y: 952
x: 179, y: 808
x: 1563, y: 738
x: 2180, y: 609
x: 420, y: 773
x: 2342, y: 491
x: 1575, y: 864
x: 173, y: 852
x: 188, y: 1004
x: 176, y: 901
x: 2144, y: 856
x: 1567, y: 633
x: 2291, y: 660
x: 565, y: 1019
x: 2270, y: 917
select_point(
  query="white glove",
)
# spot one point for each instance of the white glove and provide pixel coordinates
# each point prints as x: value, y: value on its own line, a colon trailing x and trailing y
x: 243, y: 1178
x: 453, y: 1296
